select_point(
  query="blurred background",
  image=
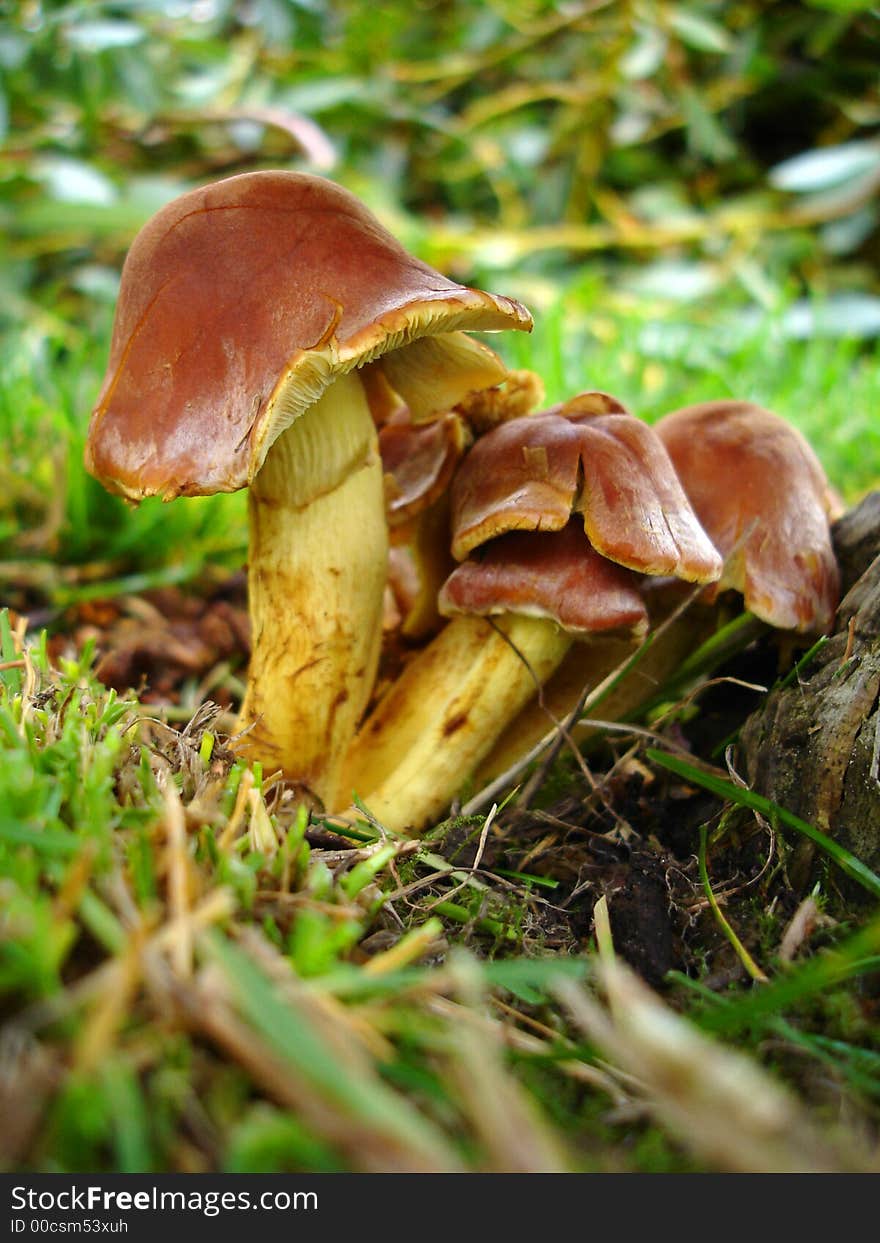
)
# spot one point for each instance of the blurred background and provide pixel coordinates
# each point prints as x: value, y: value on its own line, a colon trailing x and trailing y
x: 685, y: 194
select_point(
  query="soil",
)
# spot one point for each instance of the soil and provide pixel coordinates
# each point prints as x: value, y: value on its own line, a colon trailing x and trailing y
x: 159, y: 642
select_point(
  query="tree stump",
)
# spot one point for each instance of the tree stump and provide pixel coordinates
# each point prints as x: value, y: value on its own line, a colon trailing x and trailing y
x: 814, y: 747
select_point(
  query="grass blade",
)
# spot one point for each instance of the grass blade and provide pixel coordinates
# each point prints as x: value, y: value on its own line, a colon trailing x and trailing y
x: 741, y: 952
x: 287, y: 1030
x: 844, y: 859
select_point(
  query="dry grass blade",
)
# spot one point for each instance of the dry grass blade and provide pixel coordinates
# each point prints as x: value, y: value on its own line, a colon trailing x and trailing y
x: 110, y: 976
x: 274, y: 1028
x: 178, y: 880
x: 603, y: 1080
x: 719, y: 1104
x: 411, y: 946
x: 513, y: 1134
x: 205, y: 1007
x: 113, y: 1006
x: 607, y: 1079
x: 804, y: 922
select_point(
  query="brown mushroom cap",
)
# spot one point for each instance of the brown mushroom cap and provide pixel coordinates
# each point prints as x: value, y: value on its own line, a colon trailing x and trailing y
x: 600, y: 462
x: 418, y: 462
x: 556, y: 575
x: 761, y: 494
x: 304, y: 284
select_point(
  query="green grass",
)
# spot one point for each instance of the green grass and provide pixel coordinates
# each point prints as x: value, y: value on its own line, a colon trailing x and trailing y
x: 741, y: 797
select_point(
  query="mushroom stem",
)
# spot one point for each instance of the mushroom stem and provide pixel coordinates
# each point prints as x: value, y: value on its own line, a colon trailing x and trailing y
x: 316, y: 579
x: 587, y: 666
x: 445, y: 712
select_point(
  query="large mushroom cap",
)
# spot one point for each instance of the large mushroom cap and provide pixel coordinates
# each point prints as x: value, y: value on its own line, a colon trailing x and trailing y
x: 761, y: 494
x: 240, y: 303
x: 589, y: 457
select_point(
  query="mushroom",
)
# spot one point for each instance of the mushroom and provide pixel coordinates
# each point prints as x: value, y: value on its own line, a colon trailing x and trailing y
x: 419, y: 462
x: 546, y: 512
x: 519, y: 395
x: 761, y: 495
x: 245, y: 311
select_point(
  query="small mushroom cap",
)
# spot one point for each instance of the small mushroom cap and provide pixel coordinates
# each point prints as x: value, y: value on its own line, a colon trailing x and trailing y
x: 761, y: 494
x: 600, y: 462
x: 519, y: 394
x: 589, y: 403
x: 240, y: 303
x: 556, y: 575
x: 418, y: 462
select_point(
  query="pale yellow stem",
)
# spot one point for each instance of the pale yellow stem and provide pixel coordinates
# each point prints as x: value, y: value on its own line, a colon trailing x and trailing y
x: 587, y: 665
x: 445, y: 712
x: 318, y: 555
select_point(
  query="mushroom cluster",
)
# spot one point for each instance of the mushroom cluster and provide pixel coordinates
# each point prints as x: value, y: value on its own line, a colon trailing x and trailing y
x: 761, y: 496
x: 247, y: 312
x: 554, y: 518
x: 271, y: 334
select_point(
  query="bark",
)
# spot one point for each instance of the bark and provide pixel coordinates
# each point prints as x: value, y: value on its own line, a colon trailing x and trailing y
x: 814, y: 747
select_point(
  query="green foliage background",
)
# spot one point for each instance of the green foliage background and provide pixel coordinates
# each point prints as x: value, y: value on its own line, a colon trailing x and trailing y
x: 510, y: 135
